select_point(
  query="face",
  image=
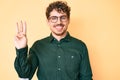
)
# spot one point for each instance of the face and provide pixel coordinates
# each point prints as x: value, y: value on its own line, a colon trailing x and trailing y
x: 58, y: 23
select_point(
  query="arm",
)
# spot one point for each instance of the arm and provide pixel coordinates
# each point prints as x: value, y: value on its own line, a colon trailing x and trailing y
x: 25, y: 65
x: 85, y: 68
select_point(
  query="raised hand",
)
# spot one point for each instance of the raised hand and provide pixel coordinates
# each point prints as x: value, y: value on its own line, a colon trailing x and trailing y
x: 21, y: 38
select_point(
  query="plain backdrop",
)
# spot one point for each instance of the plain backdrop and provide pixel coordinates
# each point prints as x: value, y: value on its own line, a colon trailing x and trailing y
x: 96, y: 22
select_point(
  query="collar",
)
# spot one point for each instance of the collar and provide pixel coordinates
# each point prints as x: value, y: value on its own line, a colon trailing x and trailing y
x: 66, y: 38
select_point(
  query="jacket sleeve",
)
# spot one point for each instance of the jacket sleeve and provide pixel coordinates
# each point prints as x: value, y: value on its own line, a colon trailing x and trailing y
x: 85, y: 68
x: 25, y: 65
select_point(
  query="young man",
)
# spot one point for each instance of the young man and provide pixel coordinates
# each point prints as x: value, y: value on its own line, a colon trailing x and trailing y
x: 56, y: 57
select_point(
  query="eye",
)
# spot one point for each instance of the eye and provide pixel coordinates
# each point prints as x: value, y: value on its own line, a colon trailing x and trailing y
x: 53, y: 17
x: 63, y: 17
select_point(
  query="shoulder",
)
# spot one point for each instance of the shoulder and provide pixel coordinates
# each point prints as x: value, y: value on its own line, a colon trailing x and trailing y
x: 78, y: 41
x: 80, y: 45
x: 41, y: 41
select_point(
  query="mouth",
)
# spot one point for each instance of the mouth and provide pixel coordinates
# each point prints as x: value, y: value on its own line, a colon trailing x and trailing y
x: 59, y: 27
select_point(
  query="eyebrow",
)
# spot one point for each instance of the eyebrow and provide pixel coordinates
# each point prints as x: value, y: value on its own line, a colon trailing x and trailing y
x: 58, y: 16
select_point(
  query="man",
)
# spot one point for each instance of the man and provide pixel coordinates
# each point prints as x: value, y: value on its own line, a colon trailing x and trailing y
x: 56, y: 57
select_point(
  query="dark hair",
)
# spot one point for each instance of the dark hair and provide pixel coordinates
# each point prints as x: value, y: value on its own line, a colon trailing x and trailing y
x: 60, y: 6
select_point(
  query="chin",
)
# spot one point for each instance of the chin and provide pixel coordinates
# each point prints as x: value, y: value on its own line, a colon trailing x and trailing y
x: 60, y: 33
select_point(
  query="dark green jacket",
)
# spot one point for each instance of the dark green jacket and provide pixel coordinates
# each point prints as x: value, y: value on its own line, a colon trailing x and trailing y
x: 66, y: 59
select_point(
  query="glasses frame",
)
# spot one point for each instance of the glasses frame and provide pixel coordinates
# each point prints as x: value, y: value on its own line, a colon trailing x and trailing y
x: 54, y: 19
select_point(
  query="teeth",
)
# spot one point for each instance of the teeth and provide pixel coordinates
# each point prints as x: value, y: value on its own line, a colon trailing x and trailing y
x: 59, y: 27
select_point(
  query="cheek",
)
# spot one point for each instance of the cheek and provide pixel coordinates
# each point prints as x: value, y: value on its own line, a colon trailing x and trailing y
x: 66, y: 24
x: 50, y: 24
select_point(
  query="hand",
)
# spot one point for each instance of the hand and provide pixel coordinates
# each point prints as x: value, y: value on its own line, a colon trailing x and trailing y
x: 21, y: 38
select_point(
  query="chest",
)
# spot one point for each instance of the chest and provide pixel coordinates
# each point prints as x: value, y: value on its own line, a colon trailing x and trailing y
x: 59, y: 56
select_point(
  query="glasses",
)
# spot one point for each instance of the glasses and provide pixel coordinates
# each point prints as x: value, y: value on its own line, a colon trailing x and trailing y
x: 54, y: 19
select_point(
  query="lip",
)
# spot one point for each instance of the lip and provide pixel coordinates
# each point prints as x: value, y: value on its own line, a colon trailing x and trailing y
x: 59, y: 27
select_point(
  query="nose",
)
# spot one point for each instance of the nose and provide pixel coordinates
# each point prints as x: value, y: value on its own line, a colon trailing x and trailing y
x: 58, y: 21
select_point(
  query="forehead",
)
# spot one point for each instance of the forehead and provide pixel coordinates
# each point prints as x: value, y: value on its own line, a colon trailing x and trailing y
x: 56, y: 13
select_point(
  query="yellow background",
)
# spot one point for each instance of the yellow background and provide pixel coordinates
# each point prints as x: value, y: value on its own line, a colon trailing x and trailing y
x: 96, y: 22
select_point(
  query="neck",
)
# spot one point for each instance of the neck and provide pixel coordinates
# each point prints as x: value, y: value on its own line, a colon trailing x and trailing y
x: 59, y: 37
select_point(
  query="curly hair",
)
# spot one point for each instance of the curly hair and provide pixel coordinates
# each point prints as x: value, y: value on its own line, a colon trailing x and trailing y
x: 59, y: 6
